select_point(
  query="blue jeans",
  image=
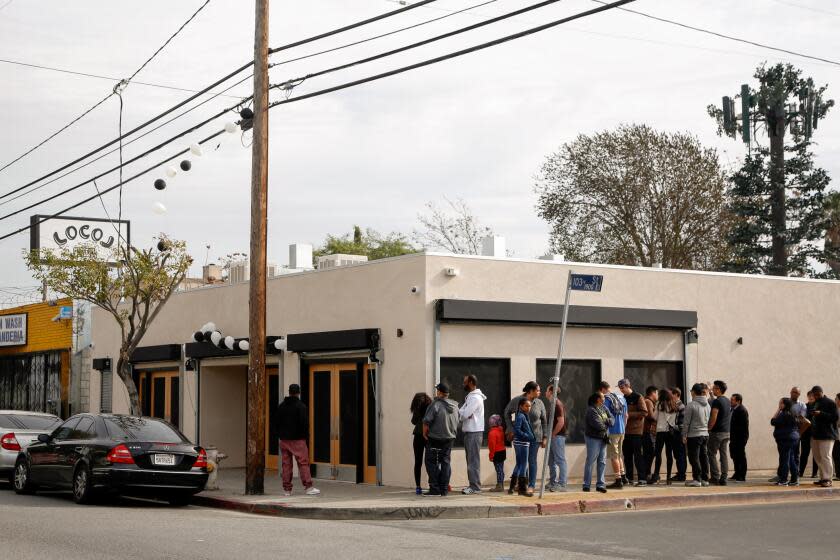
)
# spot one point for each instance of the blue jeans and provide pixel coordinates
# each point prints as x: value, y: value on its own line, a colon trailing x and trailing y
x: 532, y: 464
x: 788, y: 459
x: 520, y: 448
x: 557, y: 461
x: 500, y: 472
x: 596, y: 450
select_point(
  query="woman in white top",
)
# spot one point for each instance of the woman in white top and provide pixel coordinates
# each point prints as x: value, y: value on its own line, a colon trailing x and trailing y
x: 666, y: 433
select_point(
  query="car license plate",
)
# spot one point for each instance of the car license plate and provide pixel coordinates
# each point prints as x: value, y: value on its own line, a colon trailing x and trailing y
x: 163, y: 459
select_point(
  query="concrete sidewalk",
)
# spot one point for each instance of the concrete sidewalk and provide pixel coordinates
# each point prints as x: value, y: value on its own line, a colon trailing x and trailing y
x: 342, y: 500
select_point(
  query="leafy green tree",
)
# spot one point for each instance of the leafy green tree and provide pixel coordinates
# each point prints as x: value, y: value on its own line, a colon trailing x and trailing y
x: 778, y: 194
x: 832, y: 234
x: 369, y: 243
x: 635, y: 196
x: 133, y: 291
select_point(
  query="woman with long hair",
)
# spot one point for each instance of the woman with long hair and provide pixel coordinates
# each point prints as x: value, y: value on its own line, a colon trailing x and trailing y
x: 786, y: 434
x: 666, y: 433
x: 523, y: 441
x: 419, y: 404
x: 598, y: 421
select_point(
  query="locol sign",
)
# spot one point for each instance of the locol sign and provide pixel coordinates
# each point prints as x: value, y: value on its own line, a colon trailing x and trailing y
x: 13, y: 330
x: 67, y: 233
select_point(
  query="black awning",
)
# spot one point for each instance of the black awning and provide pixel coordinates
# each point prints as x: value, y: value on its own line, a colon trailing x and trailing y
x: 333, y: 341
x: 503, y: 312
x: 159, y: 353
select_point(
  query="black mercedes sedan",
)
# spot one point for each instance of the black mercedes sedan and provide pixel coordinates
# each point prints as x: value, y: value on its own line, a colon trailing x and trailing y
x: 94, y: 454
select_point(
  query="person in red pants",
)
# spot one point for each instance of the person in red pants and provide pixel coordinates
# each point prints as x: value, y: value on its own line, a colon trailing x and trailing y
x: 293, y: 430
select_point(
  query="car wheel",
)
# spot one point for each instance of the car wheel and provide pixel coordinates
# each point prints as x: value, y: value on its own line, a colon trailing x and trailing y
x: 179, y: 501
x: 82, y: 485
x: 21, y: 479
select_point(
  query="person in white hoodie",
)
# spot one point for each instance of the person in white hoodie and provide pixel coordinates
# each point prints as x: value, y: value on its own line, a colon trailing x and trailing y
x: 472, y: 425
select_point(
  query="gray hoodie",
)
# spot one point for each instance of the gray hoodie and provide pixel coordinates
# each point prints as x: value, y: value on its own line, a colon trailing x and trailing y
x: 696, y: 423
x: 442, y: 418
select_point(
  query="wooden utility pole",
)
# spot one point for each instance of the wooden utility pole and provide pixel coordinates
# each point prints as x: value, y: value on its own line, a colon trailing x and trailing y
x: 256, y: 414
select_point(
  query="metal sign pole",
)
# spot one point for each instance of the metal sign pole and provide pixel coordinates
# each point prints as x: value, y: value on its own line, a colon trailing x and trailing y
x: 560, y: 350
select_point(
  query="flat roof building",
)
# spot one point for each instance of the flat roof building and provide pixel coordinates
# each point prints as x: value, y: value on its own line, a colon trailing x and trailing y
x: 435, y: 317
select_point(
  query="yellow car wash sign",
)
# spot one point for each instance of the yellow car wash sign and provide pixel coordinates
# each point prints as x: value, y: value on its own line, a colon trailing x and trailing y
x: 13, y: 330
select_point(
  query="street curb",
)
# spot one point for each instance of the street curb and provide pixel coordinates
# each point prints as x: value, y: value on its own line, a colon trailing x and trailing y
x: 577, y: 507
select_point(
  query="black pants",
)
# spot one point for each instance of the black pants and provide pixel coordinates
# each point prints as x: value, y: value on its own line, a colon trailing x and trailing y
x: 805, y: 451
x: 419, y: 448
x: 698, y: 456
x: 632, y: 451
x: 738, y: 451
x: 679, y: 455
x: 664, y: 440
x: 648, y: 453
x: 835, y: 456
x: 438, y: 465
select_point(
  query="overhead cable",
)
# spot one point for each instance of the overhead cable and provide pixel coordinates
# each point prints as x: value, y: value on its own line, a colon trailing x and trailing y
x: 341, y: 87
x: 216, y: 83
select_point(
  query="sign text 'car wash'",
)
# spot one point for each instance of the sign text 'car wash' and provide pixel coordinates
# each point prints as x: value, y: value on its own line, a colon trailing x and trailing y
x: 587, y: 282
x: 13, y: 330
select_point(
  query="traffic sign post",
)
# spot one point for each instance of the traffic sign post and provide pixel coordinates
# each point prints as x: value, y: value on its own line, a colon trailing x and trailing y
x: 581, y: 283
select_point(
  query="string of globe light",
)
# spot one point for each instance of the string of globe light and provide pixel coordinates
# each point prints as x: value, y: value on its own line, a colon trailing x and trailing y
x: 209, y: 333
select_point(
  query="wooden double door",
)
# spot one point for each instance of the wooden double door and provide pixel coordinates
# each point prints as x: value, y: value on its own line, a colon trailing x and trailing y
x: 160, y: 394
x: 342, y: 420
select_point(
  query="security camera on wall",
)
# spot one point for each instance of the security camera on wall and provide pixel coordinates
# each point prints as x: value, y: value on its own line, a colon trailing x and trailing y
x: 415, y: 290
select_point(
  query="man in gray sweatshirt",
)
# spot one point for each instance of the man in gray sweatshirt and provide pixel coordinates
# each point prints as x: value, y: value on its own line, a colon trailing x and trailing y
x: 695, y: 432
x: 439, y: 428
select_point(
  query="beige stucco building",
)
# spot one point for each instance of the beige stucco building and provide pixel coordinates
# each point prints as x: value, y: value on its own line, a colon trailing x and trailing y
x: 438, y: 316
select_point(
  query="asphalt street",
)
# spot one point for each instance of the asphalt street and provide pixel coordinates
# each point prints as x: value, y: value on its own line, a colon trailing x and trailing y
x: 52, y: 526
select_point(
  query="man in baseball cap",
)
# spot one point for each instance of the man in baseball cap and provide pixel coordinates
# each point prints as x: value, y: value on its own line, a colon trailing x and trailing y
x: 440, y: 425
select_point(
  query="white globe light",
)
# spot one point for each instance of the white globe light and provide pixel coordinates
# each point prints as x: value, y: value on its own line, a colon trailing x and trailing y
x: 159, y: 208
x: 229, y: 341
x: 244, y: 345
x: 280, y: 344
x: 171, y: 171
x: 211, y: 326
x: 204, y: 328
x: 230, y: 127
x: 195, y: 149
x: 215, y: 337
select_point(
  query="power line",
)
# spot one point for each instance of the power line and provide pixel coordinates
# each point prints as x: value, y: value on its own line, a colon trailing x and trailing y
x: 220, y: 81
x: 83, y: 115
x: 341, y: 87
x: 455, y: 54
x: 808, y: 8
x: 98, y: 76
x: 133, y: 140
x: 320, y: 73
x: 472, y: 27
x: 723, y: 36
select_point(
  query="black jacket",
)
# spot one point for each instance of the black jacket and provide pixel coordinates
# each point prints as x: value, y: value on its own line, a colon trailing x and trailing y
x: 739, y: 428
x: 825, y: 423
x: 292, y: 419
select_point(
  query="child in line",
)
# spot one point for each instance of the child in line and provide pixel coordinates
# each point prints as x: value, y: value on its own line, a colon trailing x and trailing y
x: 498, y: 454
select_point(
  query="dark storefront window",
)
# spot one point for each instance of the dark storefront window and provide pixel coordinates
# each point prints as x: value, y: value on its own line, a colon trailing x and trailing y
x: 493, y: 379
x: 578, y: 380
x: 643, y: 374
x: 31, y: 382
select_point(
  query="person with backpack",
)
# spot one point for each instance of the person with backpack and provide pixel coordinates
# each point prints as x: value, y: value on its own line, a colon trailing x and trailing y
x: 695, y: 434
x: 617, y: 405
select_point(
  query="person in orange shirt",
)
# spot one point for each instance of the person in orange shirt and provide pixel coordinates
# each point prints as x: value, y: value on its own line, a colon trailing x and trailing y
x: 498, y: 454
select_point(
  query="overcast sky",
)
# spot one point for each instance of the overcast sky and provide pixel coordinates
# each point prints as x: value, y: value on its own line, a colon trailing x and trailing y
x: 476, y: 127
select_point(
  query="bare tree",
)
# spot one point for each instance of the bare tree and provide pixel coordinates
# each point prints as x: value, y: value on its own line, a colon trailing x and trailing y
x: 636, y: 196
x: 453, y: 228
x: 133, y: 291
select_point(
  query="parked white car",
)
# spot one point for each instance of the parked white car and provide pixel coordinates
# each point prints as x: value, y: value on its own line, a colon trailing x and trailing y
x: 18, y: 429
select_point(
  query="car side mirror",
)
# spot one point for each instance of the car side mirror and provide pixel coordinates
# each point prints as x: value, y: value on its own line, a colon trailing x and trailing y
x: 44, y: 438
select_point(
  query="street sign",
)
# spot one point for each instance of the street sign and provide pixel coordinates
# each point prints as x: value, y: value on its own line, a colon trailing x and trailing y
x: 586, y: 282
x: 13, y: 329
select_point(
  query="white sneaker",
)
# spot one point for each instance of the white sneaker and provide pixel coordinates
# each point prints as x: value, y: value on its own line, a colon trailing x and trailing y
x: 287, y: 493
x: 312, y: 491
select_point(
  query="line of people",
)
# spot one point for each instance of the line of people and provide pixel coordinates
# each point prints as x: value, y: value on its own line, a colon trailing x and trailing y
x: 630, y: 429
